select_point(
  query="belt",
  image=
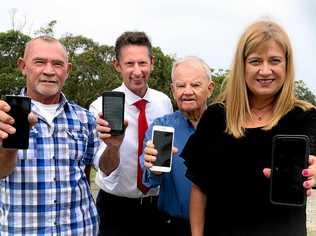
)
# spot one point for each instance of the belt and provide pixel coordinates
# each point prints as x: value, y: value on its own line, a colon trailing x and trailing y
x: 149, y: 200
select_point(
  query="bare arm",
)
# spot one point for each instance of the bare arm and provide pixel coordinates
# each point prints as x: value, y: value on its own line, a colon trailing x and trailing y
x: 110, y: 159
x: 197, y: 211
x: 8, y: 159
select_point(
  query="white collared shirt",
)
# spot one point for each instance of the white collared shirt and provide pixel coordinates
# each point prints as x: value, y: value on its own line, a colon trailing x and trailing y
x: 122, y: 181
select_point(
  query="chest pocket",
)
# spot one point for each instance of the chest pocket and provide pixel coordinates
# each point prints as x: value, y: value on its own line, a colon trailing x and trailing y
x: 77, y: 141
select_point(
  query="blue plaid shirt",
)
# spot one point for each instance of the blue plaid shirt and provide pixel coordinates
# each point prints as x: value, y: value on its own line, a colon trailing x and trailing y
x: 48, y: 192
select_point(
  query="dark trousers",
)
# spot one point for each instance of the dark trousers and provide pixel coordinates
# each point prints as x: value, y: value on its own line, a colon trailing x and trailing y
x: 174, y: 226
x: 121, y: 216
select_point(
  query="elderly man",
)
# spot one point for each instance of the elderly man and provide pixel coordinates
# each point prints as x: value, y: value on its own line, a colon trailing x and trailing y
x: 191, y: 86
x: 44, y: 189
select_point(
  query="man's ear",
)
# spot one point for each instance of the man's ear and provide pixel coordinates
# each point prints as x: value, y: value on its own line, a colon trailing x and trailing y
x: 21, y: 65
x: 172, y: 90
x: 69, y: 68
x: 211, y: 87
x: 152, y: 60
x: 116, y: 65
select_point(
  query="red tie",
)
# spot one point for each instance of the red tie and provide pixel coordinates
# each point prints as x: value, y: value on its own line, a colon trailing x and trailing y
x: 142, y: 127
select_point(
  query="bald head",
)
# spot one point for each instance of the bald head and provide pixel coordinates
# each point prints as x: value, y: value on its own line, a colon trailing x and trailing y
x: 45, y: 67
x: 191, y: 85
x: 194, y: 62
x: 47, y: 39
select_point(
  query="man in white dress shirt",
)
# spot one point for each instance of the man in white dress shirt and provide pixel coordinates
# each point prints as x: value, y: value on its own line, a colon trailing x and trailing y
x: 120, y: 200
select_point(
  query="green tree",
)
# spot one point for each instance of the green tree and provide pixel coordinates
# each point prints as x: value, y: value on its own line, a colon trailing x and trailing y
x: 218, y: 76
x: 47, y: 29
x: 92, y: 71
x: 12, y: 45
x: 304, y: 93
x: 160, y: 78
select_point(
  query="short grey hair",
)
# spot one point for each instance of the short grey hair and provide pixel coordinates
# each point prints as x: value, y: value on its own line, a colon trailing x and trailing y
x: 182, y: 60
x: 46, y: 38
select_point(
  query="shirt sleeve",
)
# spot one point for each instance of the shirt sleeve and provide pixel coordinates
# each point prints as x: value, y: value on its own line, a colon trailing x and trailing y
x: 149, y: 179
x: 93, y: 141
x: 170, y: 107
x: 96, y: 107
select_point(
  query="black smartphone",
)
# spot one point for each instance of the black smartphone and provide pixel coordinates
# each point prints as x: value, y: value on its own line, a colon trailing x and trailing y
x: 20, y: 109
x: 289, y: 157
x: 162, y: 137
x: 113, y: 110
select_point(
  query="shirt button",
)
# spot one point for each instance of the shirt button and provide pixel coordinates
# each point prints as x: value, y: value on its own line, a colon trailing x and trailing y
x: 54, y: 178
x: 55, y: 201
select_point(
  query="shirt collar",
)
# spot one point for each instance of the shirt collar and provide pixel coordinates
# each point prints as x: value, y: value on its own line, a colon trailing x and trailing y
x: 131, y: 97
x: 62, y: 100
x: 184, y: 118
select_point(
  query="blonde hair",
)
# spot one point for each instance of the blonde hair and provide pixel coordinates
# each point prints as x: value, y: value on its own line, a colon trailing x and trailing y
x: 235, y: 94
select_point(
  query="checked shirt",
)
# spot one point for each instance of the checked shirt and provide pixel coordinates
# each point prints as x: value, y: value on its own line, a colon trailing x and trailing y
x: 48, y: 193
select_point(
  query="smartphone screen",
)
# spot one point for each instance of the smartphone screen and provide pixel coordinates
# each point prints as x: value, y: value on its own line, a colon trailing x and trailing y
x: 163, y: 144
x: 20, y: 108
x: 113, y: 111
x: 289, y: 158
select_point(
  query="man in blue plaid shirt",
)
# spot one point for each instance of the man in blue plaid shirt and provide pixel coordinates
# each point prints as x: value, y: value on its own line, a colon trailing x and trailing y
x: 44, y: 189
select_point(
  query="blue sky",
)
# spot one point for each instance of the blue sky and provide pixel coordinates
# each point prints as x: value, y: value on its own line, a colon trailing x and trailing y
x: 205, y: 28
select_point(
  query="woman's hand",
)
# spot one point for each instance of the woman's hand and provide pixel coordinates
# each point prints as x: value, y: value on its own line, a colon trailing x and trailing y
x: 310, y: 173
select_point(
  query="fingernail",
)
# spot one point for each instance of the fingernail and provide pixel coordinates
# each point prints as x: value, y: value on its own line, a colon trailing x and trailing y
x: 306, y: 184
x: 12, y: 130
x: 305, y: 173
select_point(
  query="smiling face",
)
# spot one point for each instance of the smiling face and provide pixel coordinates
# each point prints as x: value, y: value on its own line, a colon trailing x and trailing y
x: 190, y: 86
x: 135, y: 65
x: 265, y: 70
x: 46, y: 68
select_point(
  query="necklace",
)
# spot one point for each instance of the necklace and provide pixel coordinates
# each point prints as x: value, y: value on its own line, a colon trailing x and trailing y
x: 262, y: 111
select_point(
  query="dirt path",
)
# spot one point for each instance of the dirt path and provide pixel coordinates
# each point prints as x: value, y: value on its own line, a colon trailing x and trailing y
x: 311, y: 214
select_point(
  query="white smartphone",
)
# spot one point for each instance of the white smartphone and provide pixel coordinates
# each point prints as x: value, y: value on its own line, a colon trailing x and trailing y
x: 162, y: 137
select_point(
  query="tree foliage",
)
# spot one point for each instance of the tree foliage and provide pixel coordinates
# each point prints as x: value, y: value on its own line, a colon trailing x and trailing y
x: 302, y: 92
x: 11, y: 48
x: 92, y: 72
x: 47, y: 29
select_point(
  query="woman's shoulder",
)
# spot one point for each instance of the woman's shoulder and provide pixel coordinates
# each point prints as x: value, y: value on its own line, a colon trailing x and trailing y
x: 299, y: 114
x: 217, y: 108
x: 213, y: 118
x: 215, y: 111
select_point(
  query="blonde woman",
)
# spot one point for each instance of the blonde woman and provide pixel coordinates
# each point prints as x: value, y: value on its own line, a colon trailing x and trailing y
x: 229, y: 155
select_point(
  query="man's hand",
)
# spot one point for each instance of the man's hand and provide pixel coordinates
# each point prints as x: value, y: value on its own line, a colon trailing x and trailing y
x: 150, y: 155
x: 104, y: 132
x: 6, y: 121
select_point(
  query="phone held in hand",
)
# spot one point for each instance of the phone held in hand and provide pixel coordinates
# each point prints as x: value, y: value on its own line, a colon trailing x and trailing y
x: 289, y: 157
x: 162, y: 137
x: 113, y: 110
x: 20, y: 109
